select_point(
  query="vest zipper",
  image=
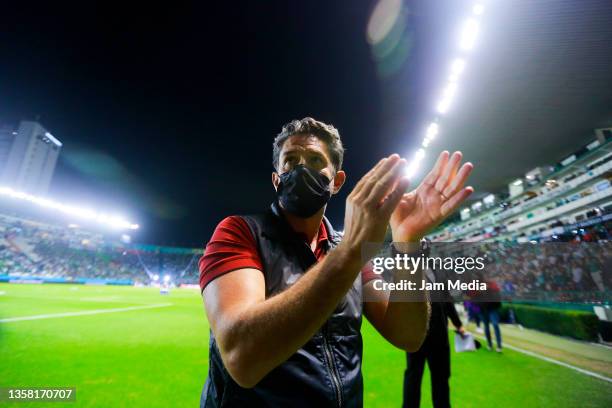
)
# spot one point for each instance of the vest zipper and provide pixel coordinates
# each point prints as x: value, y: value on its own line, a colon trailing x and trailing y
x: 333, y: 372
x: 329, y: 358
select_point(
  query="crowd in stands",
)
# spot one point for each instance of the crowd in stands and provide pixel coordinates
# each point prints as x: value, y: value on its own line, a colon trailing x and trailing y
x: 30, y: 249
x: 555, y: 271
x: 570, y: 268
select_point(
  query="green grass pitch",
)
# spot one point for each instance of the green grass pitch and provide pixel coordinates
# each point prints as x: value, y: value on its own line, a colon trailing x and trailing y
x: 158, y: 357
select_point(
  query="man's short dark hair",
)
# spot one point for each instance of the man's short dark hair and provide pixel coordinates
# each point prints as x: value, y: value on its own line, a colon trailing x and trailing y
x: 309, y: 126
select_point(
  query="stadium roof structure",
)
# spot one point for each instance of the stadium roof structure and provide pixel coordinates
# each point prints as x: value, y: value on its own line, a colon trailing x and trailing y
x: 536, y: 85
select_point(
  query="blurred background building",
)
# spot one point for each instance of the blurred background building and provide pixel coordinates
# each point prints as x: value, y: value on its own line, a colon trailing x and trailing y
x: 28, y: 155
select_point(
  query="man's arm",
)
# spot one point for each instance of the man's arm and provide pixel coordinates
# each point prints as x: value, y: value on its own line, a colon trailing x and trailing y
x: 402, y: 323
x: 399, y: 318
x: 256, y: 334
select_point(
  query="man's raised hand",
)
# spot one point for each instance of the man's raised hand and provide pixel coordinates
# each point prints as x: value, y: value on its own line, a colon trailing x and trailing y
x: 370, y: 204
x: 440, y: 193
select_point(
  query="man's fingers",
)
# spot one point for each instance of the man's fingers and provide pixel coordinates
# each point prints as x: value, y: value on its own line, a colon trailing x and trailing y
x: 385, y: 183
x: 386, y: 166
x: 451, y: 167
x: 377, y: 174
x: 455, y: 201
x: 459, y: 180
x: 367, y: 176
x: 433, y: 175
x: 455, y: 168
x: 393, y: 199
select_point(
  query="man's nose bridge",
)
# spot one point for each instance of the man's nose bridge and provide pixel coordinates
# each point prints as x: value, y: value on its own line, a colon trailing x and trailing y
x: 302, y: 159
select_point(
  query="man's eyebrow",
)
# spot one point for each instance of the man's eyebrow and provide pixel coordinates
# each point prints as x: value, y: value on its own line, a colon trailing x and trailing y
x: 312, y: 151
x: 307, y: 150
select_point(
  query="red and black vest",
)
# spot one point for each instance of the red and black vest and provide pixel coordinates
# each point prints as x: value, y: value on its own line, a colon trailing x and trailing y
x: 326, y: 371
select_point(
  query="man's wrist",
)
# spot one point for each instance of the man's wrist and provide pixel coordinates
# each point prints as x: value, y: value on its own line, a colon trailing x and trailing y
x: 407, y: 247
x: 406, y: 238
x: 348, y: 254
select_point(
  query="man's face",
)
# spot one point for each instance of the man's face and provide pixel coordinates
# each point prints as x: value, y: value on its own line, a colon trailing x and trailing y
x: 311, y: 152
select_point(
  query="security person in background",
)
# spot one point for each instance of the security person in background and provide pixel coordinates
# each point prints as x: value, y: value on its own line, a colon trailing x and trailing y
x: 435, y: 350
x: 283, y: 291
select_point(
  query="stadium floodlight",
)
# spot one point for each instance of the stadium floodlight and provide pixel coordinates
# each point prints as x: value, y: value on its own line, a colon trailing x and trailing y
x: 469, y: 34
x: 412, y: 169
x: 447, y: 97
x: 432, y: 131
x: 53, y: 139
x: 155, y: 277
x: 166, y: 278
x: 457, y: 68
x: 115, y: 222
x: 467, y: 40
x: 416, y: 162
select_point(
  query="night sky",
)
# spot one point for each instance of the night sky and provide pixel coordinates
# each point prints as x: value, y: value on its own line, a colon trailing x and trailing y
x: 167, y: 112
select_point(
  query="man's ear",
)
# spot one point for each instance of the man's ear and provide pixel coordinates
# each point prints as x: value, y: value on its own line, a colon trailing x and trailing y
x: 275, y: 180
x: 339, y: 180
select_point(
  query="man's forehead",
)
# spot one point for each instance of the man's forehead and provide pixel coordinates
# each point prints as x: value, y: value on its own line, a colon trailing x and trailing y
x: 303, y: 142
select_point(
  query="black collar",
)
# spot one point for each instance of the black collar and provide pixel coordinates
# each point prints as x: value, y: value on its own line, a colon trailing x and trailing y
x: 279, y: 228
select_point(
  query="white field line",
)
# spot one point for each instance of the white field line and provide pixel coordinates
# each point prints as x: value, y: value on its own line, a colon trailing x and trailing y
x: 83, y: 313
x: 101, y: 299
x: 550, y: 360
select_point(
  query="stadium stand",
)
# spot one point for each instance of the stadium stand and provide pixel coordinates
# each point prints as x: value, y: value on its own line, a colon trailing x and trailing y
x: 31, y: 250
x: 569, y: 203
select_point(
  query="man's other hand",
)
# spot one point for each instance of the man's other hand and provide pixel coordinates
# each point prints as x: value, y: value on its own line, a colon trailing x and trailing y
x: 440, y: 193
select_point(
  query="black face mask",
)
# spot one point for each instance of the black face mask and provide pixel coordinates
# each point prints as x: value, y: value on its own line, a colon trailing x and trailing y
x: 303, y: 191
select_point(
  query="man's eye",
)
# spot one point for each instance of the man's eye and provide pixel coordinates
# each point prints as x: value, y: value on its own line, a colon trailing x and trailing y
x: 317, y: 160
